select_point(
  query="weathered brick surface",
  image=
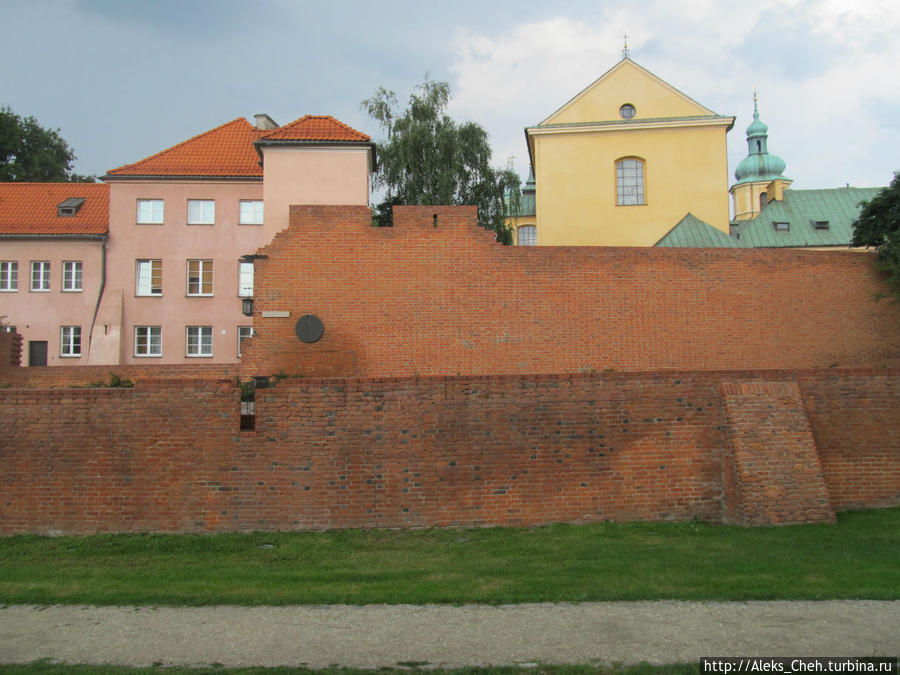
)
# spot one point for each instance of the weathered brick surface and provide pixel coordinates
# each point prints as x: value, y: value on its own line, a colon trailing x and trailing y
x: 855, y: 420
x: 505, y: 450
x: 420, y: 299
x: 89, y: 376
x: 10, y: 351
x: 775, y: 474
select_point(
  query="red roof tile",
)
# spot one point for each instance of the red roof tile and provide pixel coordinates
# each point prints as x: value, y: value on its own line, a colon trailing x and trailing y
x: 315, y: 128
x: 226, y: 150
x: 30, y: 209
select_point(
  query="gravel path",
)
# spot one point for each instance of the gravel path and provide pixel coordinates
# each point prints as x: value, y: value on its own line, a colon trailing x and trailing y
x: 385, y: 635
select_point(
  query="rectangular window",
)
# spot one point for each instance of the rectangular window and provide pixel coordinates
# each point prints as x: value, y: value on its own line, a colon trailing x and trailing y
x: 251, y: 212
x: 201, y: 211
x: 149, y: 277
x: 40, y: 275
x: 72, y: 275
x: 527, y: 235
x: 9, y: 275
x: 150, y: 211
x: 630, y: 182
x: 781, y: 226
x: 200, y: 277
x: 148, y: 341
x: 199, y: 341
x: 70, y: 341
x: 244, y: 333
x: 245, y: 280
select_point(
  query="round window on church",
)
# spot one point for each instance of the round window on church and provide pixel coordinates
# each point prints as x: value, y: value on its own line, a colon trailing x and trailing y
x: 626, y: 112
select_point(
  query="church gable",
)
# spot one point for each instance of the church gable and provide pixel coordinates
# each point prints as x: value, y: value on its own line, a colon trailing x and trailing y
x: 627, y: 83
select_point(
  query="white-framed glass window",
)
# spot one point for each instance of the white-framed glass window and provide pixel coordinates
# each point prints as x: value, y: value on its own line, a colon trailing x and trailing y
x: 70, y: 341
x: 201, y: 212
x: 527, y: 235
x: 148, y: 341
x: 71, y: 276
x: 245, y: 279
x: 199, y: 277
x: 40, y: 275
x: 149, y: 277
x: 9, y: 275
x: 251, y: 212
x: 244, y: 333
x: 630, y: 182
x: 199, y: 341
x: 150, y: 211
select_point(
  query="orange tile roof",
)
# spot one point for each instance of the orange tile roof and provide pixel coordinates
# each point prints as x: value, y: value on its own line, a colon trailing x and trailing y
x: 226, y: 150
x: 30, y: 209
x: 316, y: 128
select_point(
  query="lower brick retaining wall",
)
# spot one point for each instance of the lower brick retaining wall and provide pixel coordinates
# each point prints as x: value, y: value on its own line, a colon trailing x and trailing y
x: 466, y: 451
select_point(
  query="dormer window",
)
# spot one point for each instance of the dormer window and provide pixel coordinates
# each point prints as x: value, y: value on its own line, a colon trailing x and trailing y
x: 821, y: 224
x: 782, y: 226
x: 69, y: 207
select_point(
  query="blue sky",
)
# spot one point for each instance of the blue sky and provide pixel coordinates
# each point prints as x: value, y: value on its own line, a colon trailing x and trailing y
x: 123, y: 79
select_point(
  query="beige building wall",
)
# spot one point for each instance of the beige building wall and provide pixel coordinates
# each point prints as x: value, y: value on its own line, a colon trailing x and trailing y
x: 312, y: 175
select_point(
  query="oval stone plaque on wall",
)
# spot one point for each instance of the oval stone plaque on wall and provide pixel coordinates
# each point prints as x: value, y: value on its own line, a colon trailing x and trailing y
x: 309, y: 328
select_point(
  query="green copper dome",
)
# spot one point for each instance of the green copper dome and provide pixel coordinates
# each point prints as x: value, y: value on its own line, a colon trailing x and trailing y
x: 758, y: 165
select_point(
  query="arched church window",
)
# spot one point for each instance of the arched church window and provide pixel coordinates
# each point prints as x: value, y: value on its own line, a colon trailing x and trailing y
x: 630, y: 181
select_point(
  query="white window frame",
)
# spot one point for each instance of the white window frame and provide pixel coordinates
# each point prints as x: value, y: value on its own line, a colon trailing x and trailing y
x: 70, y: 342
x: 151, y: 211
x: 245, y: 279
x: 143, y: 277
x: 198, y: 341
x: 149, y: 332
x: 201, y: 212
x: 250, y: 212
x: 72, y: 276
x: 201, y: 273
x: 531, y: 235
x: 9, y: 276
x: 631, y: 182
x: 42, y: 267
x: 243, y: 333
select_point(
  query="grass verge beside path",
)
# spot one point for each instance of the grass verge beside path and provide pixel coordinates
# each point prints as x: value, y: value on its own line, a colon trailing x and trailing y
x: 54, y: 669
x: 857, y: 558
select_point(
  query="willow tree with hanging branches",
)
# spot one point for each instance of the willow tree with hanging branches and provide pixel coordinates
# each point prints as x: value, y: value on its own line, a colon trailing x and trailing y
x: 427, y: 158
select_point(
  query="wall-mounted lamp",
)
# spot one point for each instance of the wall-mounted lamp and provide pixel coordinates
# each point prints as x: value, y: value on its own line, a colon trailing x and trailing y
x: 247, y: 306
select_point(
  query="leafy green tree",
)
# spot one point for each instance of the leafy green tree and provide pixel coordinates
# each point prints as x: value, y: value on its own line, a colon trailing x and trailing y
x: 878, y: 225
x: 428, y: 158
x: 28, y: 152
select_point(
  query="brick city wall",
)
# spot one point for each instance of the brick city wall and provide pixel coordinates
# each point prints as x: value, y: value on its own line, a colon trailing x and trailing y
x: 55, y: 377
x: 435, y: 295
x: 467, y: 451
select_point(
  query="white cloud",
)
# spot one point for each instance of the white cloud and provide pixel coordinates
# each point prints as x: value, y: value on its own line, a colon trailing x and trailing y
x: 822, y: 70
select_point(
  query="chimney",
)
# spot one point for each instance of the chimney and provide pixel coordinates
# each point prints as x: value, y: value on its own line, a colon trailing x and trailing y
x: 264, y: 122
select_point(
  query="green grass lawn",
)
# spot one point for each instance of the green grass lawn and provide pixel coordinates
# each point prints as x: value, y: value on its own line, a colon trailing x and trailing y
x: 857, y: 558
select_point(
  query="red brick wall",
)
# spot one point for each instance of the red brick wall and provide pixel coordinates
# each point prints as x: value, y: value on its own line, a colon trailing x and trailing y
x: 10, y: 351
x: 92, y: 376
x: 775, y: 473
x: 512, y: 450
x: 855, y: 419
x: 417, y: 299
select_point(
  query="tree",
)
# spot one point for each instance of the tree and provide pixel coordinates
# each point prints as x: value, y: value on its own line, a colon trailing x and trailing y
x: 878, y: 225
x: 428, y: 158
x: 28, y: 152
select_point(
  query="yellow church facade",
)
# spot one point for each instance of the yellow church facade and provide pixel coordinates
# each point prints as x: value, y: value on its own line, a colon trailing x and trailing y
x: 623, y: 161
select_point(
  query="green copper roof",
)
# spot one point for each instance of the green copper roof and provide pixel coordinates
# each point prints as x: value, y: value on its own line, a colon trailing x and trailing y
x: 691, y: 232
x: 527, y: 206
x: 758, y: 165
x: 834, y: 210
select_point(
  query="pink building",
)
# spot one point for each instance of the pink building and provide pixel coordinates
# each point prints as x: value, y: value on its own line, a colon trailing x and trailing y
x: 175, y: 288
x: 53, y: 263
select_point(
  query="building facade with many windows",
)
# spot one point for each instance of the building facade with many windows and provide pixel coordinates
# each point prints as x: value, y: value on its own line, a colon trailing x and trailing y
x: 52, y: 258
x: 166, y: 273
